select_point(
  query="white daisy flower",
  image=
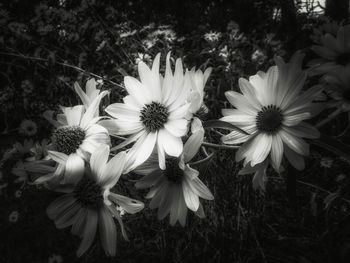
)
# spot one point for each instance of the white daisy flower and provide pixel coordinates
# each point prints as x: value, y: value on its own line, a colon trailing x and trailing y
x: 91, y: 92
x: 90, y: 203
x: 77, y: 135
x: 334, y: 52
x: 154, y: 112
x: 177, y: 188
x: 272, y: 111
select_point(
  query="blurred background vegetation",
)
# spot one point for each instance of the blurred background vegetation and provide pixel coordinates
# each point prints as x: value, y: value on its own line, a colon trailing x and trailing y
x: 47, y: 45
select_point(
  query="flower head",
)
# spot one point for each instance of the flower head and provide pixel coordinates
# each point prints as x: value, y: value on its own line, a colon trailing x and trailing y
x: 178, y: 187
x: 154, y: 113
x: 28, y: 128
x: 272, y: 111
x: 89, y: 203
x: 77, y: 135
x: 334, y: 52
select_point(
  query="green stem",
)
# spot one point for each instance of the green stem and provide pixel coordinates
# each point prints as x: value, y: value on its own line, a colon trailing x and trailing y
x: 219, y: 146
x: 329, y: 118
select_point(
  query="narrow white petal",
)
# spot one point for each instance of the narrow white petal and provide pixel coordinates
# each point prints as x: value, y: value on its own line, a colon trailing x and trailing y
x: 113, y: 170
x: 123, y: 111
x: 296, y: 144
x: 108, y: 231
x: 191, y: 199
x: 73, y: 114
x: 192, y: 145
x: 98, y: 161
x: 92, y: 111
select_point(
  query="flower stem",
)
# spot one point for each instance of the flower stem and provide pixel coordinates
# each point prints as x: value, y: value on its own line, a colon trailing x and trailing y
x: 329, y: 118
x: 219, y: 146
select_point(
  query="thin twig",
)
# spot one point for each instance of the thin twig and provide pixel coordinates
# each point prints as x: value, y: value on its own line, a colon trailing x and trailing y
x: 203, y: 160
x: 63, y: 64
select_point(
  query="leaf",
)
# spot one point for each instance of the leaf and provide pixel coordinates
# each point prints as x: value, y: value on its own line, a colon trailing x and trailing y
x: 333, y: 145
x: 329, y: 200
x: 222, y: 125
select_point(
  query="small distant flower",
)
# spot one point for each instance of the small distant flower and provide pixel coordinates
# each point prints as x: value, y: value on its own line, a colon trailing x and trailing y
x: 143, y: 57
x: 212, y: 36
x: 258, y: 57
x: 272, y: 111
x: 77, y: 135
x: 28, y: 128
x: 326, y: 162
x: 91, y: 92
x: 177, y: 188
x: 154, y: 113
x: 55, y: 259
x: 89, y: 205
x: 13, y: 217
x: 334, y: 52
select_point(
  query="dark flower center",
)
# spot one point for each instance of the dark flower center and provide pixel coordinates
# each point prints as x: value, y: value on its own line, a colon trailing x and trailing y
x: 269, y: 119
x: 153, y: 116
x: 173, y: 171
x: 343, y: 59
x: 88, y: 193
x: 67, y: 139
x: 346, y: 95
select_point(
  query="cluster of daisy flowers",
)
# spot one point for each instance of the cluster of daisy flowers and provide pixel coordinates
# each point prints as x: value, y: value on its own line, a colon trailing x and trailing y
x: 161, y: 133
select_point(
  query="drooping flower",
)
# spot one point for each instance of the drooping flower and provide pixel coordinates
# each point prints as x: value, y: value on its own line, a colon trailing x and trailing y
x: 91, y: 92
x: 272, y: 110
x: 334, y: 52
x: 154, y: 113
x: 90, y: 203
x: 199, y: 79
x: 77, y: 135
x: 178, y: 187
x: 338, y: 87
